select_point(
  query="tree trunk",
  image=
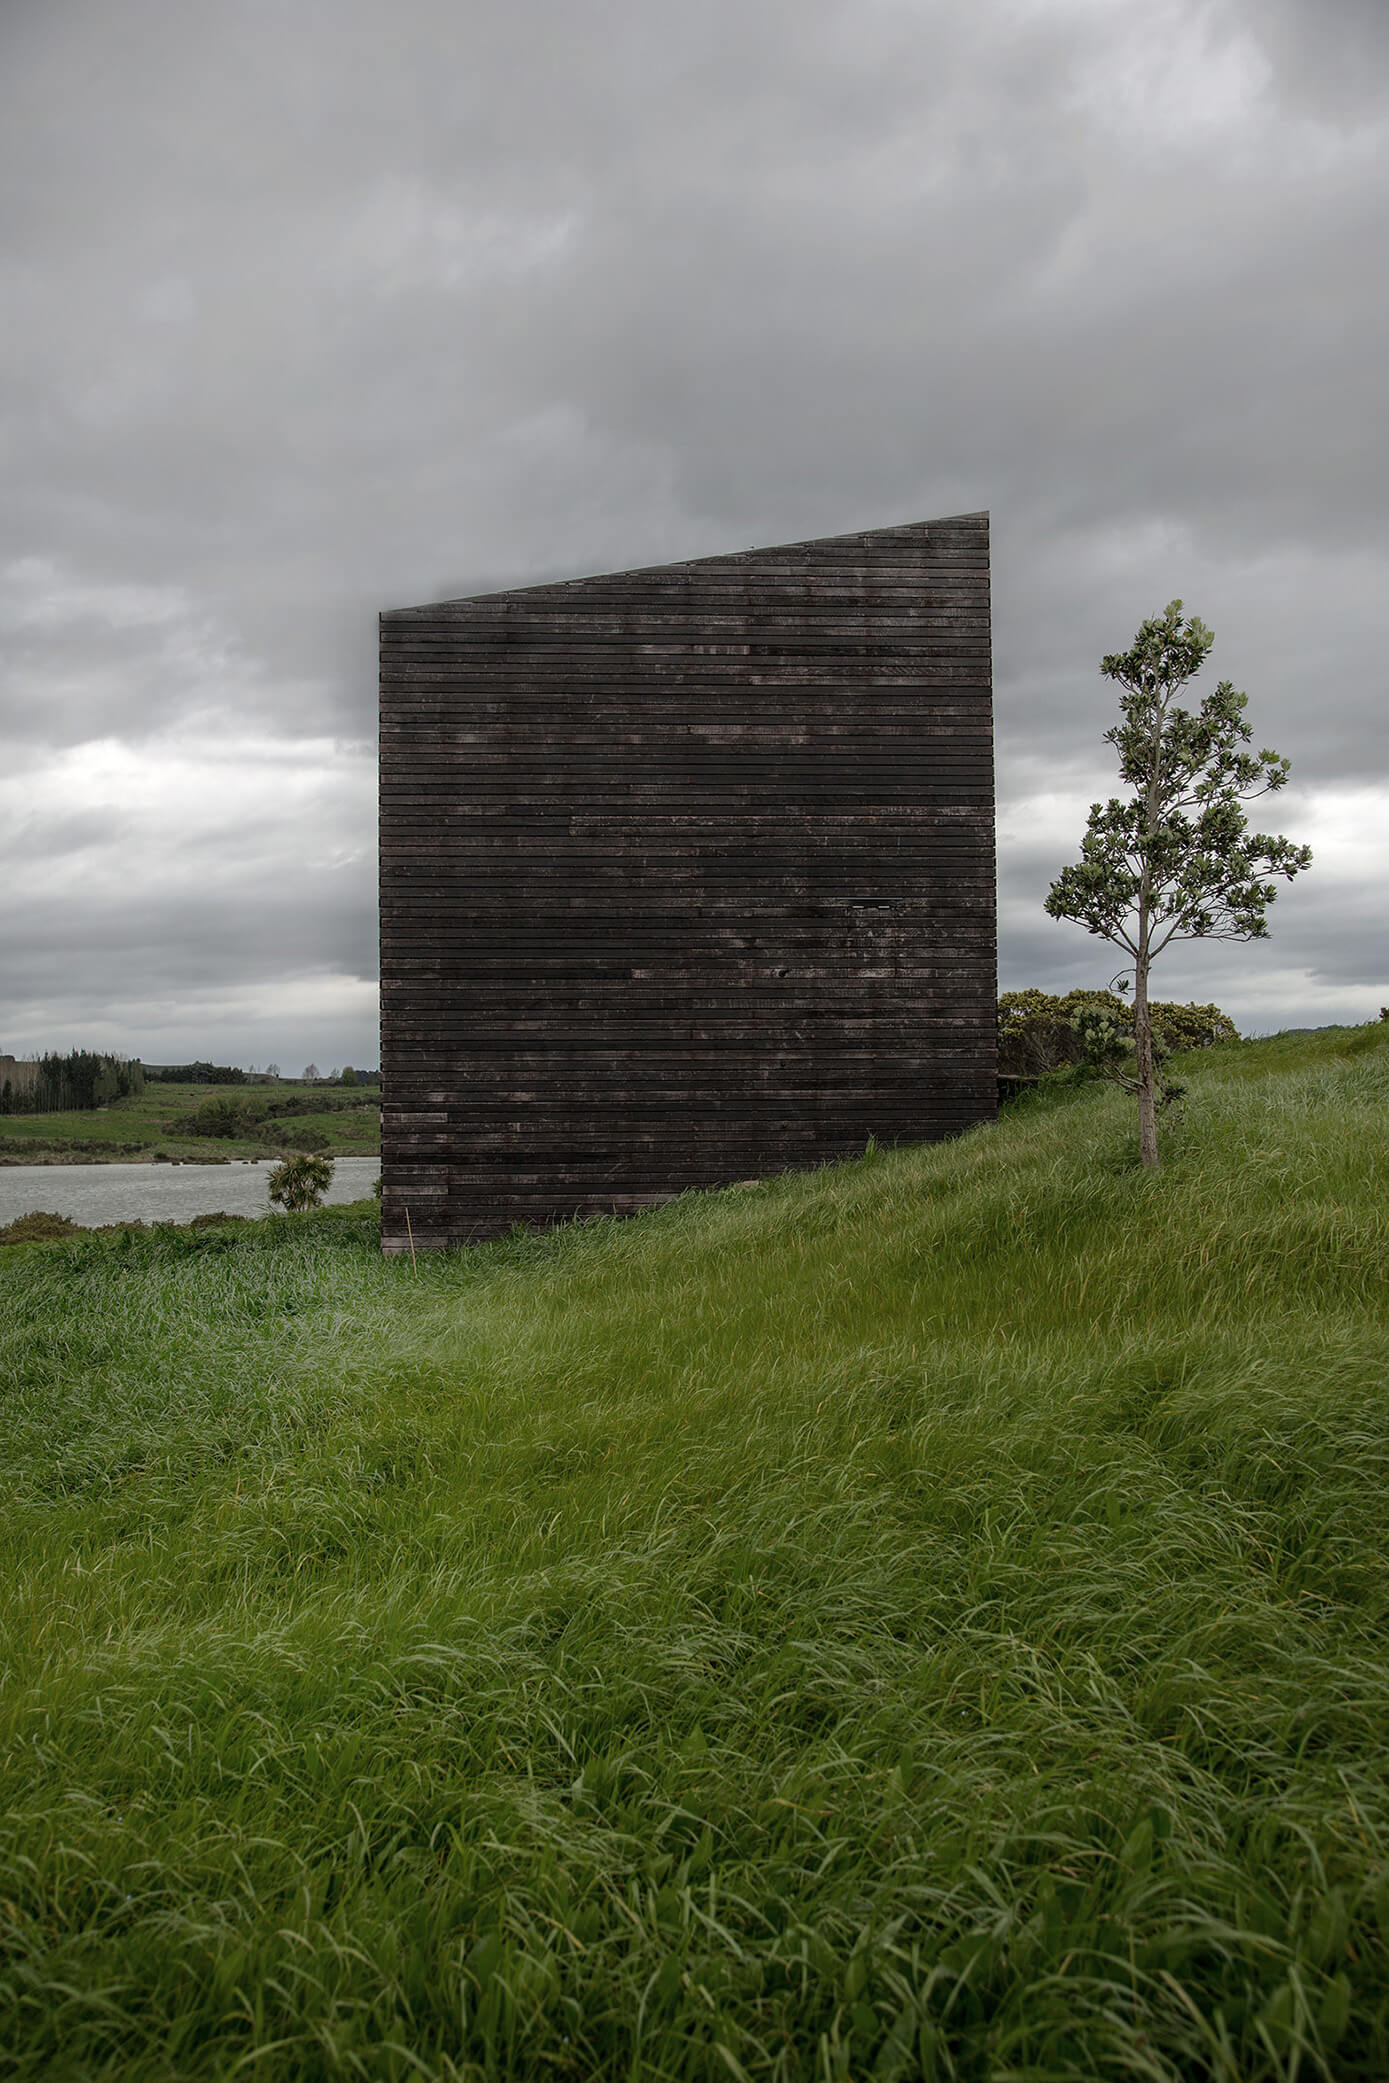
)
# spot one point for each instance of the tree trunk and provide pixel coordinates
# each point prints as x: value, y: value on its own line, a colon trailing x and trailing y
x: 1147, y: 1079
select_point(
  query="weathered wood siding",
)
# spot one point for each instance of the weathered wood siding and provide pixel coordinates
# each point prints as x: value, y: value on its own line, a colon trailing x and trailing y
x: 687, y: 876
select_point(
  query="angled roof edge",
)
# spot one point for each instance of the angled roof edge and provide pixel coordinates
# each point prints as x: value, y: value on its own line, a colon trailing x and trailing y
x: 861, y: 536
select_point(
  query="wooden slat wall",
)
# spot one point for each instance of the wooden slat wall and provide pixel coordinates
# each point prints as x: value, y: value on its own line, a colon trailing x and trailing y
x: 687, y: 876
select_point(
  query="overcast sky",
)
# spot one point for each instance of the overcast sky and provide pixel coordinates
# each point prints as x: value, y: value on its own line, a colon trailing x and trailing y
x: 315, y: 309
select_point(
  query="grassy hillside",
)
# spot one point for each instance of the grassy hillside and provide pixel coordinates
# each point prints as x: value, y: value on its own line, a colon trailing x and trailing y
x: 924, y: 1618
x: 133, y: 1130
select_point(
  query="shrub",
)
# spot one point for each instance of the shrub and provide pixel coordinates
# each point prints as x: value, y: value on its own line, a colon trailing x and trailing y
x: 38, y: 1228
x: 1191, y: 1026
x: 313, y: 1103
x: 1038, y: 1033
x: 223, y: 1117
x: 306, y: 1139
x: 301, y: 1181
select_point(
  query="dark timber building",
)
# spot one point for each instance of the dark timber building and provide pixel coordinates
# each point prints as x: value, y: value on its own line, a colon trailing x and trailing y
x: 687, y: 875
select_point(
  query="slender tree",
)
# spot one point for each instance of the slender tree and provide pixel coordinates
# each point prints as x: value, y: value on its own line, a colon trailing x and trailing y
x: 1174, y: 859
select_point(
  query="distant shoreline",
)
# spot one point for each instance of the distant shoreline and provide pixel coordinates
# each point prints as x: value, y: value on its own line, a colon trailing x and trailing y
x: 170, y: 1123
x: 60, y: 1160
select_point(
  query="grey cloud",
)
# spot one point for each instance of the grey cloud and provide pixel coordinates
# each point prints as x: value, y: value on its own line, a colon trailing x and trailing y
x: 187, y: 935
x: 59, y: 839
x: 1347, y: 955
x: 322, y: 309
x: 1328, y: 56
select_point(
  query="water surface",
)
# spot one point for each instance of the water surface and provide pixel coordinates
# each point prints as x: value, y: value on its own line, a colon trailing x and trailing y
x: 97, y: 1193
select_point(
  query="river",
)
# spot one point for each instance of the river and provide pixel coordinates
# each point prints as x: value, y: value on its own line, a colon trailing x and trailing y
x: 98, y: 1193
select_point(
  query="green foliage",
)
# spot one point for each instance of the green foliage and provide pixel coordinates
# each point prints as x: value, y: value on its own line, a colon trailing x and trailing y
x: 300, y: 1181
x: 40, y: 1227
x: 306, y: 1139
x: 919, y: 1618
x: 317, y: 1102
x: 198, y: 1074
x: 1107, y: 1046
x: 138, y: 1126
x: 227, y: 1119
x: 1038, y: 1032
x: 348, y: 1075
x: 79, y: 1081
x: 1189, y: 1026
x: 1174, y: 859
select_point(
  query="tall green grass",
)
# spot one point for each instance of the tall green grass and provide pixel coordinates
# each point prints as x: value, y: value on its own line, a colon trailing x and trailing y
x: 925, y: 1618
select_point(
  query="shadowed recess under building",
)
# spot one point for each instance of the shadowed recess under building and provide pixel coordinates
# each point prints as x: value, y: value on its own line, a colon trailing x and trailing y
x: 687, y: 877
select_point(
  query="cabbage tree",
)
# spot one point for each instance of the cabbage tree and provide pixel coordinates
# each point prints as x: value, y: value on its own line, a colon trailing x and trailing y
x: 300, y: 1181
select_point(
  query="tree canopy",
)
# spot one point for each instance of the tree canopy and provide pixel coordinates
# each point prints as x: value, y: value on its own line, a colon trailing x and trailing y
x: 1173, y: 859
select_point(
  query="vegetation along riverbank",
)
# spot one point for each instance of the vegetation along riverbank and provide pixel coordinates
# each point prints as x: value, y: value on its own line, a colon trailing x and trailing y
x: 199, y: 1123
x: 922, y: 1618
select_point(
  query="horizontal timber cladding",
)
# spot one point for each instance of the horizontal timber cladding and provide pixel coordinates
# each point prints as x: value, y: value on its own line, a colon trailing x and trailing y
x: 687, y: 875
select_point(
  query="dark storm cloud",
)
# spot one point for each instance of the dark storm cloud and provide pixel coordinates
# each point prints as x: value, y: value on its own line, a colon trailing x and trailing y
x: 315, y: 310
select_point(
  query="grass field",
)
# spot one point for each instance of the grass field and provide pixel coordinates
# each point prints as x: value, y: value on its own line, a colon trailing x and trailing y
x: 925, y: 1618
x: 132, y: 1130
